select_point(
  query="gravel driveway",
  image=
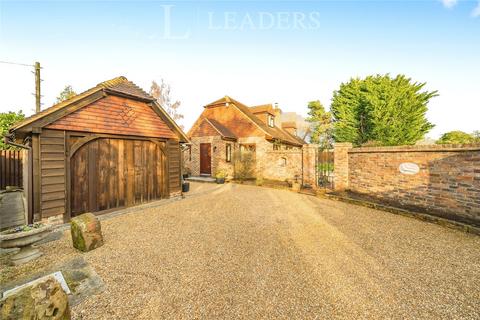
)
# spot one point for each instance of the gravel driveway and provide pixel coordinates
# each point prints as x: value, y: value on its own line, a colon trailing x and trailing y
x: 244, y: 252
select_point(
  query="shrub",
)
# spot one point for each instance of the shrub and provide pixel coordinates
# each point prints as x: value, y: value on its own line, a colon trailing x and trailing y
x: 244, y: 165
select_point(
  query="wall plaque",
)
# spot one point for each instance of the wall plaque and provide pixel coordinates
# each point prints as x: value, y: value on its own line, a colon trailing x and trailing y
x: 409, y: 168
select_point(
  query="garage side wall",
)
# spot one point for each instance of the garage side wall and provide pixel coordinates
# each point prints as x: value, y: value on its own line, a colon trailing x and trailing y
x: 174, y: 167
x: 51, y: 186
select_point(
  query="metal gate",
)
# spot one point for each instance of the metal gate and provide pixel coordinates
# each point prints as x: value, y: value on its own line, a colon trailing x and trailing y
x: 324, y: 166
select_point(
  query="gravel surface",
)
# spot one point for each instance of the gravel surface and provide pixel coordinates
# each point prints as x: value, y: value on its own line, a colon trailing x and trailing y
x: 244, y: 252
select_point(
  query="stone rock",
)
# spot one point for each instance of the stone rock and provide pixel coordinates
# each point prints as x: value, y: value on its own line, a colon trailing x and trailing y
x: 86, y: 232
x: 42, y: 301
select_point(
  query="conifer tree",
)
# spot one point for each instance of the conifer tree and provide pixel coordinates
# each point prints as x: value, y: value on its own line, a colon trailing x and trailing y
x: 380, y: 109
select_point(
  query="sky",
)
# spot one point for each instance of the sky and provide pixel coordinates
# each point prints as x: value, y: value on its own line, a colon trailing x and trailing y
x: 285, y: 52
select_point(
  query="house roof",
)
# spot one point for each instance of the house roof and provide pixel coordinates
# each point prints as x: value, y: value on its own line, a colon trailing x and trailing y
x: 292, y: 124
x: 222, y: 101
x: 300, y: 140
x: 116, y: 86
x: 224, y: 131
x: 272, y: 133
x: 219, y: 128
x: 262, y: 108
x: 289, y: 124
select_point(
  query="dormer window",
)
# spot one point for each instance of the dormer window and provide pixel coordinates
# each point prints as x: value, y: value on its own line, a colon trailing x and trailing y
x: 271, y: 121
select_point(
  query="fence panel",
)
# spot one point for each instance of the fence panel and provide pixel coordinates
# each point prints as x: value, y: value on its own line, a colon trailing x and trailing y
x: 11, y: 168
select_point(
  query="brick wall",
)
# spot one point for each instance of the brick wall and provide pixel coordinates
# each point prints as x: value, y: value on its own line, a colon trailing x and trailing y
x: 309, y: 164
x: 282, y: 164
x: 447, y: 183
x: 341, y: 161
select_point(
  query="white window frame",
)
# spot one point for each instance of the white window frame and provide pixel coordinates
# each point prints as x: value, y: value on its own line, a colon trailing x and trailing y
x: 271, y: 121
x: 228, y: 151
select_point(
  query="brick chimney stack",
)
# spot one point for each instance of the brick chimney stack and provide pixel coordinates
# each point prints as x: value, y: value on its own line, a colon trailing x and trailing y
x: 290, y: 127
x: 277, y: 110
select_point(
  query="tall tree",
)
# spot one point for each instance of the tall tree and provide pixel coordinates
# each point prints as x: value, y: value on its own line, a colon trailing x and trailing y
x: 162, y: 94
x: 476, y: 135
x: 321, y: 123
x: 456, y: 137
x: 381, y: 109
x: 7, y: 119
x: 66, y: 94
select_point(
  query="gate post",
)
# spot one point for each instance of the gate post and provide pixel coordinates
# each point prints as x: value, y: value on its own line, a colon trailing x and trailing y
x: 309, y: 155
x: 340, y: 162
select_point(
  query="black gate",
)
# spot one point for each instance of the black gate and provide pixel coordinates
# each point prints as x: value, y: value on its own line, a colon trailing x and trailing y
x: 324, y: 167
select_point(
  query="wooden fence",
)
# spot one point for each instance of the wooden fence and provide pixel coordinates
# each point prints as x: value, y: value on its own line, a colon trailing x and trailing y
x: 11, y: 168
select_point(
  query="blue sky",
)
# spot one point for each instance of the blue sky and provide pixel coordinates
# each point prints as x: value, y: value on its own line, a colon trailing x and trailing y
x: 300, y: 51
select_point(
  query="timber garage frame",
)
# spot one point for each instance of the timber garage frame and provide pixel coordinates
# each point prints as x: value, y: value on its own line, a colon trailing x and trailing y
x: 109, y: 147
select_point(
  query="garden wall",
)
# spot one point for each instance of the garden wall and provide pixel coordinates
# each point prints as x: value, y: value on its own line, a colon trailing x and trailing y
x: 282, y: 164
x: 287, y: 164
x: 447, y: 183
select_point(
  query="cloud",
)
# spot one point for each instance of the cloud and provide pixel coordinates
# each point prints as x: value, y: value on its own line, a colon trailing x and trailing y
x: 476, y: 11
x: 449, y: 3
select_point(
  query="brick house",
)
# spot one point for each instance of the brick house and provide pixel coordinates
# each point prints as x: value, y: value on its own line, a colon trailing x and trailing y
x: 227, y: 129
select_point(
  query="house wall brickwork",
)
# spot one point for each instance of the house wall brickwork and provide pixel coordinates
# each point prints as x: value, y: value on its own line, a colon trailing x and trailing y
x: 283, y: 164
x: 218, y: 153
x: 447, y: 184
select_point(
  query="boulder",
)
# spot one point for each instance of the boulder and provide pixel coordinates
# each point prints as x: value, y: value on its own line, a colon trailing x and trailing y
x: 43, y: 300
x: 86, y: 232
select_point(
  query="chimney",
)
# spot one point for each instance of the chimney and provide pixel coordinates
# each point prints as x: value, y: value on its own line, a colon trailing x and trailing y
x: 290, y: 127
x: 276, y: 110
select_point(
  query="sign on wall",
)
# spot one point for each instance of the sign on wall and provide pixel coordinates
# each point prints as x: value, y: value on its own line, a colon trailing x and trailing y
x: 409, y: 168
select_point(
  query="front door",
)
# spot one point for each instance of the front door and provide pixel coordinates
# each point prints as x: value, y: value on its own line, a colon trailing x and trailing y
x: 205, y: 158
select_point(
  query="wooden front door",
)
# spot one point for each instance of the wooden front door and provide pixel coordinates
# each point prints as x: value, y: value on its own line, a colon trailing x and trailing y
x: 205, y: 158
x: 113, y: 173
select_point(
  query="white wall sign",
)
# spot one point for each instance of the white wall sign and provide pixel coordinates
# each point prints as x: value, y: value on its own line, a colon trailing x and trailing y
x: 409, y: 168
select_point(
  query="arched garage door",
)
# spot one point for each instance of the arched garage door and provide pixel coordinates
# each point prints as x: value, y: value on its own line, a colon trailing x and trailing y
x: 113, y: 173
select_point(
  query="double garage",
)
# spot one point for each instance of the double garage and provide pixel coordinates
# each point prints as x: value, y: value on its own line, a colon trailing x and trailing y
x: 110, y: 147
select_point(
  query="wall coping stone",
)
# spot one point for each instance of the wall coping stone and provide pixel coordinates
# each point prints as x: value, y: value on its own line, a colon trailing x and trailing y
x: 420, y: 148
x: 342, y: 145
x: 284, y: 151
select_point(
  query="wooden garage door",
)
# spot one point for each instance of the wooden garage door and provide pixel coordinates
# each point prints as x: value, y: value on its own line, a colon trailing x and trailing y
x: 112, y: 173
